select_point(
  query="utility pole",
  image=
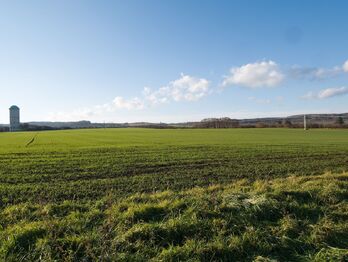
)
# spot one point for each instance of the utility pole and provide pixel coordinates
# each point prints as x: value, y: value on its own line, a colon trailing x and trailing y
x: 304, y: 122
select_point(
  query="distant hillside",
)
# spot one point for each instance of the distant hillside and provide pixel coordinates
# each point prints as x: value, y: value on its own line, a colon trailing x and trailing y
x: 319, y: 118
x: 313, y: 120
x: 79, y: 124
x: 296, y: 121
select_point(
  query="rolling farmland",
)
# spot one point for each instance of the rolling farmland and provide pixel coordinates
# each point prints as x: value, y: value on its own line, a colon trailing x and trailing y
x: 173, y: 195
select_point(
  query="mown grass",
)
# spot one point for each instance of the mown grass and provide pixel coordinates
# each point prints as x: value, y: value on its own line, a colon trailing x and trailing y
x: 174, y: 195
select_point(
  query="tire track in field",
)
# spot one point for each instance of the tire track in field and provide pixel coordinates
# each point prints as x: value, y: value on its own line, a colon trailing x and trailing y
x: 31, y: 141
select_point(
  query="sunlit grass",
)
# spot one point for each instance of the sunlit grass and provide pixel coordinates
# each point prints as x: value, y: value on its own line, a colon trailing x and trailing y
x: 289, y: 219
x: 174, y: 195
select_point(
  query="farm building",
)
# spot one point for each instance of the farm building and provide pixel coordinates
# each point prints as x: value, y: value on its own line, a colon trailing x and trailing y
x: 14, y: 118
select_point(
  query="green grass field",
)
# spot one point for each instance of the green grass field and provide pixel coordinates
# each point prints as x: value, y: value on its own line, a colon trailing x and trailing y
x: 174, y: 195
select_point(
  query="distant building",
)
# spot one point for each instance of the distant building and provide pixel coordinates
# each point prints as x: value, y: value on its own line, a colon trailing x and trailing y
x: 14, y: 118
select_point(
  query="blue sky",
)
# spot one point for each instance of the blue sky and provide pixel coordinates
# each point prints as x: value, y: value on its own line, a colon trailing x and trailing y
x: 159, y: 60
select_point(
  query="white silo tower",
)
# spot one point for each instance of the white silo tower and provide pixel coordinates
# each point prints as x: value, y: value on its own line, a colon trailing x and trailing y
x: 14, y: 118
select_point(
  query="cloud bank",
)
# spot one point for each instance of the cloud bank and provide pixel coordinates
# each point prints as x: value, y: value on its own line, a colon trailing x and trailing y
x: 186, y: 88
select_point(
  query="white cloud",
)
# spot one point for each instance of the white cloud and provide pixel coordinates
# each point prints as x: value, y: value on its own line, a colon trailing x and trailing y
x: 159, y: 96
x: 327, y: 93
x: 259, y: 74
x: 313, y: 73
x: 330, y: 92
x: 186, y: 88
x: 325, y: 73
x: 130, y: 104
x: 345, y: 66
